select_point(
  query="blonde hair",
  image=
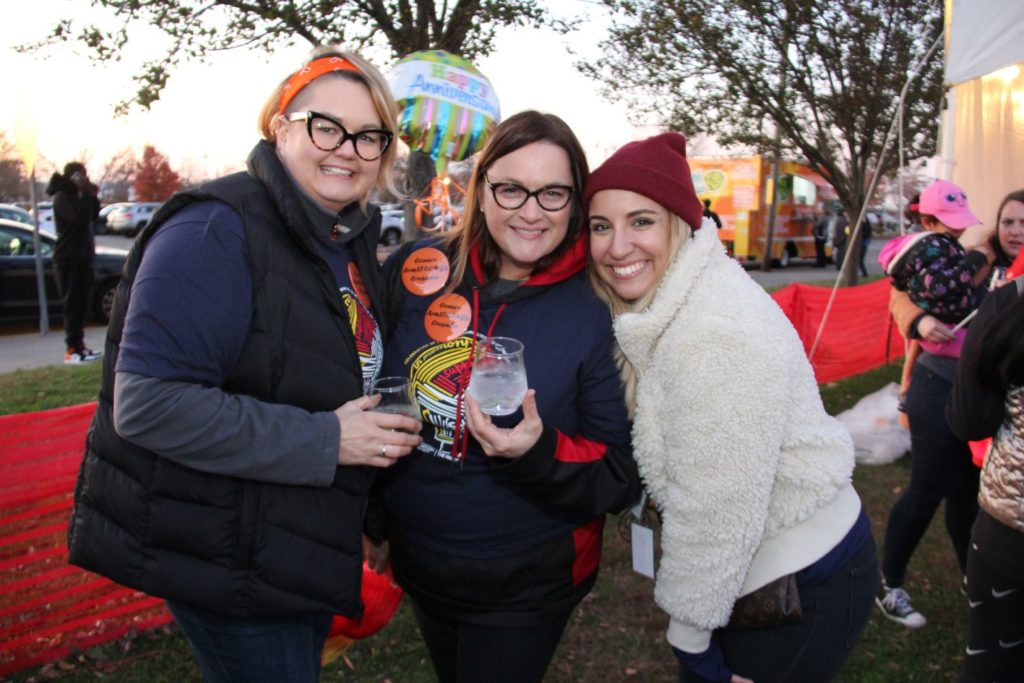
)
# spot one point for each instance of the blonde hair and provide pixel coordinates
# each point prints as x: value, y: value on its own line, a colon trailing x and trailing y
x: 514, y: 133
x: 680, y: 233
x: 383, y: 103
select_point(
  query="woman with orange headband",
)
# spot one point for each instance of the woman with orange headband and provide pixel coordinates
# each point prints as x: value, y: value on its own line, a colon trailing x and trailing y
x: 228, y: 464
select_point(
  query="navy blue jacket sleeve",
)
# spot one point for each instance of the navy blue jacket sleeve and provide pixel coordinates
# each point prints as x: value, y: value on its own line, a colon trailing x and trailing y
x: 578, y: 475
x: 592, y: 472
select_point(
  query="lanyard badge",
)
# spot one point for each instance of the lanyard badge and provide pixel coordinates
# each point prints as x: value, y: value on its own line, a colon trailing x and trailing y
x: 642, y: 539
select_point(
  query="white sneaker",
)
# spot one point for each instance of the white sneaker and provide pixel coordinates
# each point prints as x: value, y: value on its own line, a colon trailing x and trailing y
x: 895, y: 605
x: 81, y: 355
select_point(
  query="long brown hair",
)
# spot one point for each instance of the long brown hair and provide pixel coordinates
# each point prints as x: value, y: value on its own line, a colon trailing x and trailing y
x: 383, y: 103
x: 513, y: 133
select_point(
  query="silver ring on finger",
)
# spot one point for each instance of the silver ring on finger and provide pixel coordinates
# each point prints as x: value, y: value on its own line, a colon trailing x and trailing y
x: 383, y: 450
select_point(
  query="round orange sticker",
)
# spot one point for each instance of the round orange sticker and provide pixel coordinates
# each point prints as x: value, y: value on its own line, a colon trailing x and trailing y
x: 447, y: 318
x: 425, y: 271
x: 357, y: 285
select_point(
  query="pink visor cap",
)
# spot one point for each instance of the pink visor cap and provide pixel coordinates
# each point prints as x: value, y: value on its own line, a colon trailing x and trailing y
x: 947, y: 202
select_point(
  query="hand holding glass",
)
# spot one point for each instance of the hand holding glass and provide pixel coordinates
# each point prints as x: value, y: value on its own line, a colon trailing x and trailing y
x: 498, y: 383
x: 395, y: 397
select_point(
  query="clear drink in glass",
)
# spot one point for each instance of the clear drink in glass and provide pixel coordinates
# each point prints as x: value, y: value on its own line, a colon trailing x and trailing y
x: 498, y: 383
x: 395, y: 397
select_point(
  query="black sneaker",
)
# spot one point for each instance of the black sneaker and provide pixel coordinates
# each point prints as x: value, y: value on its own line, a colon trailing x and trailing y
x: 81, y: 355
x: 895, y: 605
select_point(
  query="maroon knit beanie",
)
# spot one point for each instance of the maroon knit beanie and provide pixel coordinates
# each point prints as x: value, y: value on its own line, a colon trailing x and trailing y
x: 656, y: 168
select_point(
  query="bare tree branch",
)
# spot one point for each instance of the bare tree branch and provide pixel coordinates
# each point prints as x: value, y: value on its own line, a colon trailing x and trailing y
x: 198, y: 28
x: 713, y: 66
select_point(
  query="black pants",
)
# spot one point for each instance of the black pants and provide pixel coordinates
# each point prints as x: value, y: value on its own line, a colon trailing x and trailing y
x: 74, y: 280
x: 995, y: 627
x: 819, y: 253
x: 837, y: 254
x: 464, y: 652
x: 940, y: 470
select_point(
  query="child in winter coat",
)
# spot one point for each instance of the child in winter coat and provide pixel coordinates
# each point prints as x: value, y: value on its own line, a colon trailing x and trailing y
x: 933, y: 268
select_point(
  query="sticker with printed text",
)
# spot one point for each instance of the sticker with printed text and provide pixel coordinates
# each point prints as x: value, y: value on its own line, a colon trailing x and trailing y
x: 447, y: 318
x: 425, y: 271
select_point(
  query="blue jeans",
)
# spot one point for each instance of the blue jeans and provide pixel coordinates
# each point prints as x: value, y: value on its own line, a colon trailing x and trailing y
x: 243, y: 650
x: 835, y: 613
x: 865, y: 242
x: 940, y: 469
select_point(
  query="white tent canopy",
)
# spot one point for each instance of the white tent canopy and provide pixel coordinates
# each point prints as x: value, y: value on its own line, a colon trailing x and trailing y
x: 983, y: 36
x: 983, y: 127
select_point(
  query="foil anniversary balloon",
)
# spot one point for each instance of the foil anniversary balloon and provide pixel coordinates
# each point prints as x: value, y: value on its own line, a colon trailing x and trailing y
x: 448, y: 107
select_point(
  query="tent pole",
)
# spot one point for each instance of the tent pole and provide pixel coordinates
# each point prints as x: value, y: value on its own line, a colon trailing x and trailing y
x: 44, y: 311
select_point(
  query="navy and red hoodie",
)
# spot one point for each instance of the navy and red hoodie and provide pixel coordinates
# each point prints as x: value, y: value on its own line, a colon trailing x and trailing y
x: 509, y: 541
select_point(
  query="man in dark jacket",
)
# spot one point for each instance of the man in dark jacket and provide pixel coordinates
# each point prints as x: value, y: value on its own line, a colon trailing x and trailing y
x: 840, y: 236
x: 75, y: 206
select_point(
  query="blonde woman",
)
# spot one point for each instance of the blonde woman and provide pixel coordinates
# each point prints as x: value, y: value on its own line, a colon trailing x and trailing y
x: 750, y: 476
x: 228, y: 466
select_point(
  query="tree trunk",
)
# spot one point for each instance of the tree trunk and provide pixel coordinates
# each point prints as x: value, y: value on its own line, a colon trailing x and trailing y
x: 851, y: 273
x: 852, y: 206
x: 418, y: 176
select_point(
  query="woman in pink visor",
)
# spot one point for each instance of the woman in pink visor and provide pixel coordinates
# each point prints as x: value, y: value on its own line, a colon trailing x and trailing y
x: 938, y: 281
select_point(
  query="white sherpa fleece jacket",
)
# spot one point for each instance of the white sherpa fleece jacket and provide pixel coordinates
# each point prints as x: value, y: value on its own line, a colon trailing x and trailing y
x: 751, y: 475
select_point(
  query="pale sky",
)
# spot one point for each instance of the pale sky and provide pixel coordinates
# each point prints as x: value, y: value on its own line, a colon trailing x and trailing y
x: 206, y: 115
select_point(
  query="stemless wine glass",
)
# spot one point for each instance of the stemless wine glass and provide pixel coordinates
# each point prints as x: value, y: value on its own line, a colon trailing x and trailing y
x: 395, y: 397
x: 498, y: 381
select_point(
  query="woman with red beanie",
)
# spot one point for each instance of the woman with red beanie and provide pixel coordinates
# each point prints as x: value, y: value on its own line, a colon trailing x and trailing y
x: 750, y: 477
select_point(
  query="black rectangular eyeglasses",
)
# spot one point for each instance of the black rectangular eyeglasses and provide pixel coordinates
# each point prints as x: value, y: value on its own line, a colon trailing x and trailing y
x: 511, y: 196
x: 327, y: 134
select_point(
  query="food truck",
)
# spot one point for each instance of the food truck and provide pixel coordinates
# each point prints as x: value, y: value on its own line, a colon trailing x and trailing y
x: 740, y: 190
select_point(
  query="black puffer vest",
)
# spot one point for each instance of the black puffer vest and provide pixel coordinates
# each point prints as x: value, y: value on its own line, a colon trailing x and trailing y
x: 238, y: 547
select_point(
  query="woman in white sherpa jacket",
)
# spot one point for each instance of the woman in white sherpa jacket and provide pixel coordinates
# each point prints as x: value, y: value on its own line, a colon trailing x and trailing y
x: 749, y: 474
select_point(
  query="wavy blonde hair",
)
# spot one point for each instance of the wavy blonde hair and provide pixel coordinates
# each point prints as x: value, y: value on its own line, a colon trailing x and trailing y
x: 680, y: 233
x: 383, y: 103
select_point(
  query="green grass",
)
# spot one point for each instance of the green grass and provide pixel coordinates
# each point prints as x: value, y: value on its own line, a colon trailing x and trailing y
x: 54, y: 386
x: 616, y: 634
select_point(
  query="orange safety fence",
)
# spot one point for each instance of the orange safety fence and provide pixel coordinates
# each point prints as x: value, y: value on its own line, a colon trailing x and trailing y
x: 50, y: 609
x: 858, y: 334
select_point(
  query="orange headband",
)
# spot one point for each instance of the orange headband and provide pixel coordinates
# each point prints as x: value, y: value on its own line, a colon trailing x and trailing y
x: 309, y: 73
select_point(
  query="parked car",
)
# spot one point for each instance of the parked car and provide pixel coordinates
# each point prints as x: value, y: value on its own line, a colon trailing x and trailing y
x: 882, y: 221
x: 15, y: 213
x: 130, y: 219
x: 18, y: 294
x: 101, y: 221
x: 392, y: 224
x: 45, y: 210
